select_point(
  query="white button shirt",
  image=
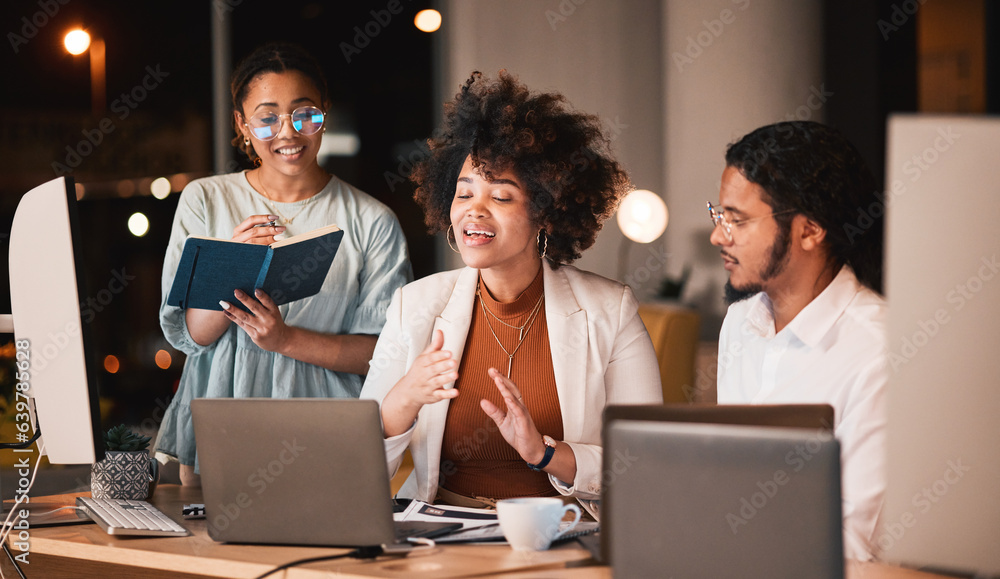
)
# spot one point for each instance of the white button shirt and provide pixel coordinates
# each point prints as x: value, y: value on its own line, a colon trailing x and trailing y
x: 834, y: 352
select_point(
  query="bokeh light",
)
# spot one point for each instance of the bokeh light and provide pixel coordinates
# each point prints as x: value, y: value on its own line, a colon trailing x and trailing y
x: 77, y: 42
x: 163, y: 359
x: 111, y: 364
x: 160, y: 188
x: 642, y: 216
x: 427, y: 20
x: 138, y: 224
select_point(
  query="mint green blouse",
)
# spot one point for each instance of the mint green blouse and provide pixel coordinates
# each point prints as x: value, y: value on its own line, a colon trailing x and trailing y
x: 371, y: 264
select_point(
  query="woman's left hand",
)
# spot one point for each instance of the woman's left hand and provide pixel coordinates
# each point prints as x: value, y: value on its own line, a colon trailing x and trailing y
x: 265, y: 327
x: 515, y: 423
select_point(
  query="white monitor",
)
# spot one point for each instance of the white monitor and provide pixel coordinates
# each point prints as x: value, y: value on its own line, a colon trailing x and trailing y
x: 943, y: 287
x: 45, y: 293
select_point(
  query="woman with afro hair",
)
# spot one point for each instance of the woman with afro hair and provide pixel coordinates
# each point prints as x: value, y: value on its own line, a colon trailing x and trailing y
x: 496, y: 375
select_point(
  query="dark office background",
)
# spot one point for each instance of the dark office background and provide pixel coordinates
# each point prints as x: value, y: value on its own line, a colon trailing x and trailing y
x: 384, y: 95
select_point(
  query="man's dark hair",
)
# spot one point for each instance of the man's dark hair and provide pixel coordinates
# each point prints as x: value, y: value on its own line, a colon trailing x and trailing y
x: 272, y: 57
x: 811, y: 169
x: 560, y: 155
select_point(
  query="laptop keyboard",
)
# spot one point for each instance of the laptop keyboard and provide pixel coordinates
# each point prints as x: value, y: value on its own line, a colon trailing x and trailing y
x: 123, y: 517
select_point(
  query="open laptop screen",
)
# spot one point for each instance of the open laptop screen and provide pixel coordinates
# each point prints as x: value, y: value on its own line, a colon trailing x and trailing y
x: 294, y: 472
x: 698, y: 499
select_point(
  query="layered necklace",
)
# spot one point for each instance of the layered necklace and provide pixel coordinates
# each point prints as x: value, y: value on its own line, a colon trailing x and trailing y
x: 274, y: 207
x: 522, y: 330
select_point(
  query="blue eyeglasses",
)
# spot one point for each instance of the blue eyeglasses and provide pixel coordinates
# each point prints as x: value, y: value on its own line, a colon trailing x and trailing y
x: 305, y: 120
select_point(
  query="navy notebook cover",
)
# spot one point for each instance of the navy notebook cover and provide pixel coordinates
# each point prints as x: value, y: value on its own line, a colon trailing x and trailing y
x: 210, y: 270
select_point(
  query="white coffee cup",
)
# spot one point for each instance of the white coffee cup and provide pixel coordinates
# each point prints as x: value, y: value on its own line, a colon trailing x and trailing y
x: 531, y: 524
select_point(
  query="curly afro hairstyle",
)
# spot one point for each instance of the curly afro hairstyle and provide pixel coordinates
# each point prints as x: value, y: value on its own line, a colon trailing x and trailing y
x: 811, y: 169
x: 561, y: 156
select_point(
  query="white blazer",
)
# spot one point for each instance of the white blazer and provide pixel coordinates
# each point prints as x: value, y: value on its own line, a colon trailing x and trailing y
x: 601, y: 355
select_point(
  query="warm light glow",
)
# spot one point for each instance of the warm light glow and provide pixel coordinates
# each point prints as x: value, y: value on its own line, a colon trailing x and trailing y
x: 642, y: 216
x: 428, y: 20
x: 138, y: 224
x: 125, y: 188
x: 80, y: 191
x: 77, y: 42
x: 111, y: 364
x: 144, y: 184
x: 163, y: 359
x: 160, y: 188
x: 179, y: 181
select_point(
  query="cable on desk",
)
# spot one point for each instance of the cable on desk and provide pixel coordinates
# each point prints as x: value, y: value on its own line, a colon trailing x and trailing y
x: 360, y: 553
x: 8, y: 525
x: 13, y: 561
x: 425, y: 543
x: 30, y: 441
x: 22, y: 445
x: 67, y: 508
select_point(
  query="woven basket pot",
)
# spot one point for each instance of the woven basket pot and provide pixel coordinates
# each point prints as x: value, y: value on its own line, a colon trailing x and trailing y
x: 121, y: 475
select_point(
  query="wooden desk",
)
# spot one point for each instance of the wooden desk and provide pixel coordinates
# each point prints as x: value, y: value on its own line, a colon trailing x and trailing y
x: 855, y: 570
x: 86, y: 551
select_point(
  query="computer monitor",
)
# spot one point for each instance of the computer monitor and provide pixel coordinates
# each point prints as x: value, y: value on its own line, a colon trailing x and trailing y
x: 942, y: 507
x: 46, y: 289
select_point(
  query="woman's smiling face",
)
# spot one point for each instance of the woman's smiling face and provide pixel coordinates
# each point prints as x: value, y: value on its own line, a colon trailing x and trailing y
x: 492, y: 225
x: 280, y: 93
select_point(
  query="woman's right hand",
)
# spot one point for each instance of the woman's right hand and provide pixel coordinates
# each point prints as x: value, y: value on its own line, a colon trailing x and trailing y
x: 254, y: 229
x: 422, y: 384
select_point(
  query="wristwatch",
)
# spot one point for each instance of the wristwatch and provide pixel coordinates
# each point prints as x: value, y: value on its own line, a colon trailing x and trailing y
x: 550, y: 449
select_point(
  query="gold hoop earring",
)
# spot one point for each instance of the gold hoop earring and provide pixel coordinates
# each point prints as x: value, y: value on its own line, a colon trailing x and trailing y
x: 448, y: 236
x: 543, y: 241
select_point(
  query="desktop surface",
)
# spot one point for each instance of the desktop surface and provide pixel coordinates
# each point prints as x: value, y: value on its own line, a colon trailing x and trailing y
x: 85, y: 551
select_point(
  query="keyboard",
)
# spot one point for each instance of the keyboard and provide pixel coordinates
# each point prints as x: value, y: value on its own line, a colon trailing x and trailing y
x: 123, y: 517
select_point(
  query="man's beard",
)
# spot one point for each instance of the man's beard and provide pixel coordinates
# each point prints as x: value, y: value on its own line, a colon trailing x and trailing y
x: 775, y: 265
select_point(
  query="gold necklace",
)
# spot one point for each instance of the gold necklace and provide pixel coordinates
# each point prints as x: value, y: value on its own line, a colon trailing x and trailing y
x: 284, y: 220
x: 522, y: 330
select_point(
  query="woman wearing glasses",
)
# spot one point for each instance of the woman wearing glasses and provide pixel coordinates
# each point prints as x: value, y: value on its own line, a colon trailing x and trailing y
x: 315, y: 347
x: 496, y: 375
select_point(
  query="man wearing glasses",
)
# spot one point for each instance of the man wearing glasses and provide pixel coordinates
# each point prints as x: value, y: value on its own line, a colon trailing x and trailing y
x: 806, y: 322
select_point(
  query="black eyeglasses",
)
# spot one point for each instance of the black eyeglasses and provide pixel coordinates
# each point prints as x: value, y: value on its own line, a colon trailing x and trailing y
x: 305, y: 120
x: 719, y: 218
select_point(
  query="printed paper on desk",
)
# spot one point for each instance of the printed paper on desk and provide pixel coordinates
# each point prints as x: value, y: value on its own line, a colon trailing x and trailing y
x: 470, y: 518
x: 479, y: 525
x: 493, y: 534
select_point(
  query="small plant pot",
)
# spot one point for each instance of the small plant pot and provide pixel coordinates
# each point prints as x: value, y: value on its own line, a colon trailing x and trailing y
x: 122, y: 475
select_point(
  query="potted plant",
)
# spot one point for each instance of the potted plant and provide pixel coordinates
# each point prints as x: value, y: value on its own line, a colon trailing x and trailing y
x: 127, y: 471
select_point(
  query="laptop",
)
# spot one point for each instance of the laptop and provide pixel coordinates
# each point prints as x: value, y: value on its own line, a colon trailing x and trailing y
x: 818, y: 416
x: 701, y: 499
x: 299, y: 471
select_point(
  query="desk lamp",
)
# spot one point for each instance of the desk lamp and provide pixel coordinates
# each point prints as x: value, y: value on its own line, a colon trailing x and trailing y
x: 642, y: 217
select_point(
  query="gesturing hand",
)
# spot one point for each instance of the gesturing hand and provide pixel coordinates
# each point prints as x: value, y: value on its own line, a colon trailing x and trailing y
x: 265, y: 326
x: 514, y: 422
x: 433, y: 368
x: 254, y: 230
x: 422, y: 384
